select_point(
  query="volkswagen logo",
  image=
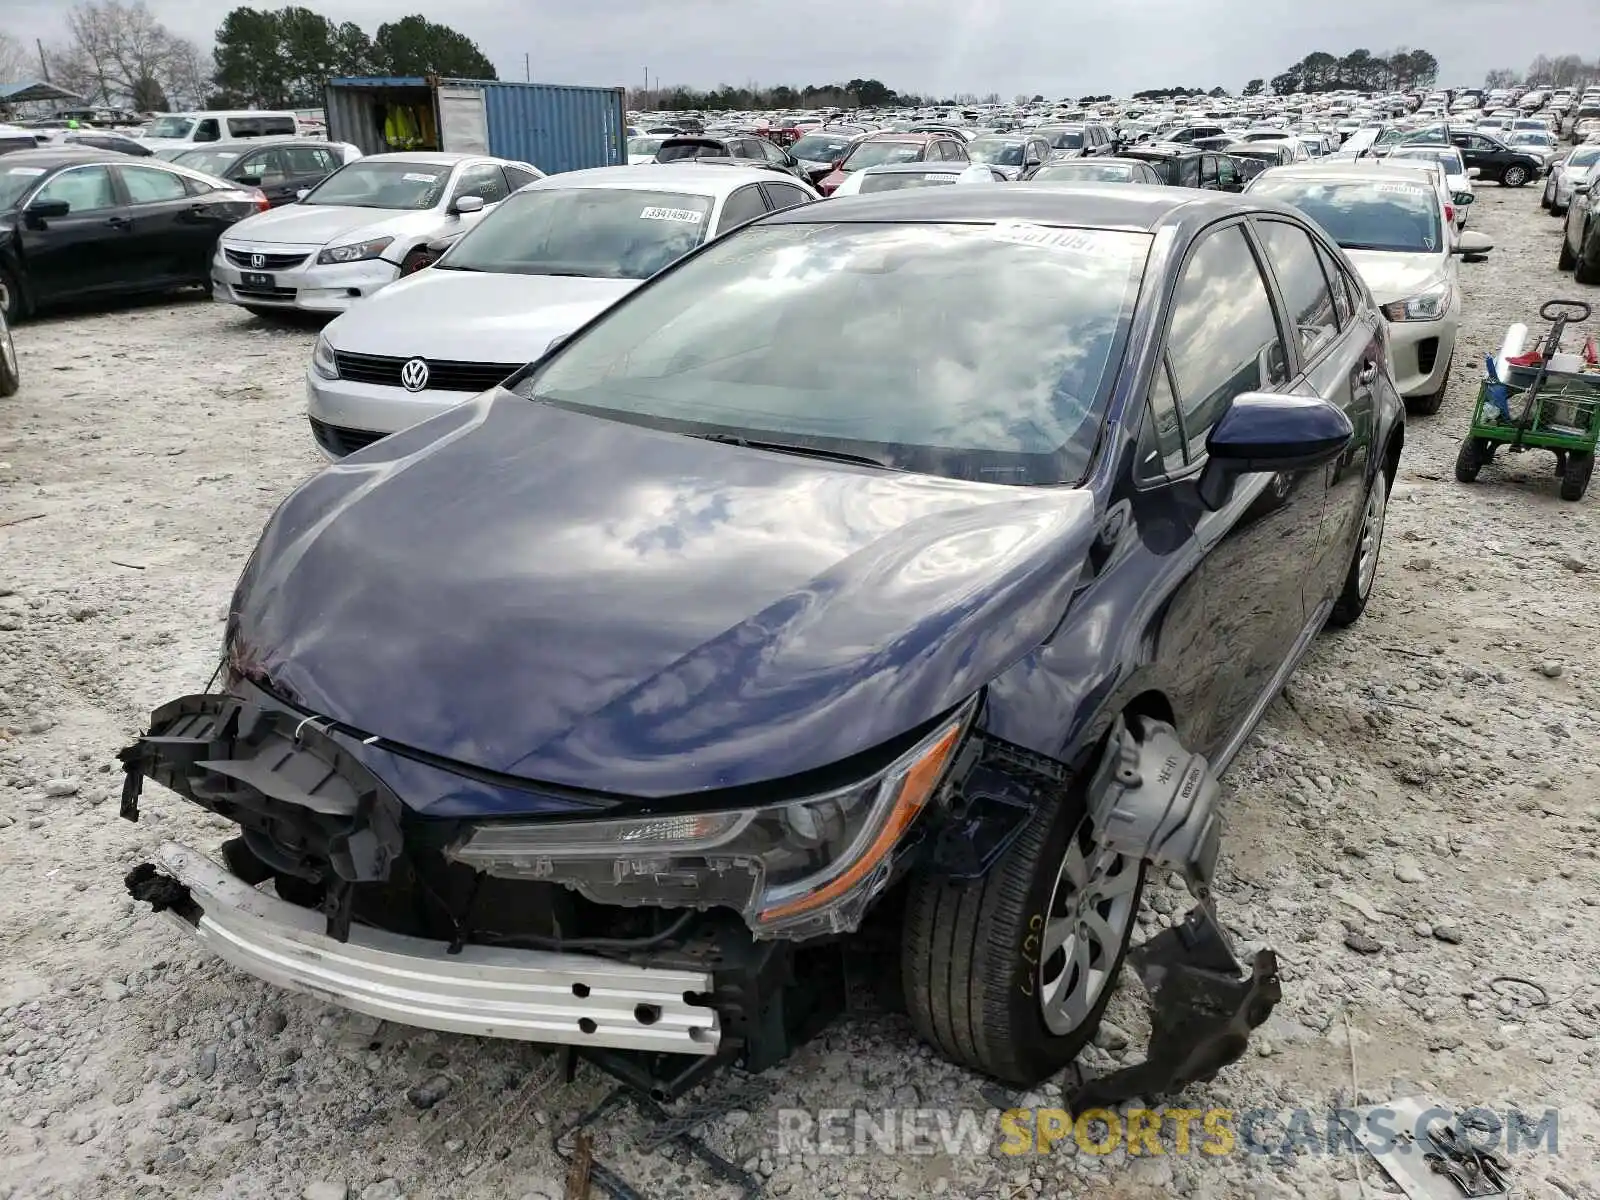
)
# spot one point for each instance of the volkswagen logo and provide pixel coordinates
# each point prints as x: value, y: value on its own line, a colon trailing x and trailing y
x: 414, y: 375
x: 258, y: 260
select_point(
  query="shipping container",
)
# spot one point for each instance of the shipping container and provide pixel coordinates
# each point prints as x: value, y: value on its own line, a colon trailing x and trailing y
x: 553, y: 126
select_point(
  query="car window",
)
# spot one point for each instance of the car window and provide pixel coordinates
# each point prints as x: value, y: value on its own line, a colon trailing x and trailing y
x: 1188, y: 172
x: 310, y: 160
x: 1213, y: 359
x: 744, y: 205
x: 1208, y: 169
x: 206, y: 131
x: 484, y: 180
x: 955, y: 152
x: 771, y: 153
x: 1161, y: 440
x: 783, y: 195
x: 1227, y: 173
x: 266, y: 164
x: 85, y: 189
x: 1293, y: 257
x: 249, y: 127
x: 151, y: 185
x: 1343, y: 297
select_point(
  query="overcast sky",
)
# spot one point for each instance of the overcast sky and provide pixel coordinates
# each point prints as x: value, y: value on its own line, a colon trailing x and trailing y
x: 944, y: 46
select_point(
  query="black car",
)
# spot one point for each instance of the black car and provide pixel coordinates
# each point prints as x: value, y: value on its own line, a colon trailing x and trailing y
x: 615, y: 752
x: 12, y: 140
x: 81, y: 223
x: 1183, y: 166
x: 821, y: 150
x: 280, y: 167
x: 749, y: 148
x: 1494, y: 159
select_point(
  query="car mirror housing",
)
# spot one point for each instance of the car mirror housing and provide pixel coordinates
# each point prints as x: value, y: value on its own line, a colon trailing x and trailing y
x: 1270, y: 431
x: 467, y: 204
x: 1474, y: 172
x: 302, y: 193
x: 42, y: 209
x: 1471, y: 242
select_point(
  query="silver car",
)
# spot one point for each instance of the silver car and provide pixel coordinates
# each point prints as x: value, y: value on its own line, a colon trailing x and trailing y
x: 1575, y: 167
x: 353, y: 233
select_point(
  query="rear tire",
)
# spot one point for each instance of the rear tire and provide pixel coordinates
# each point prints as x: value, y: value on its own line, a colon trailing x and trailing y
x: 1363, y: 572
x: 10, y: 374
x: 1470, y: 459
x: 1514, y: 177
x: 975, y: 973
x: 1583, y: 271
x: 10, y: 297
x: 1567, y: 259
x: 1575, y: 479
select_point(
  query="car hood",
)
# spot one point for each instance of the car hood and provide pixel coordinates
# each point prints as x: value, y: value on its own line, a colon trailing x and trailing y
x: 469, y: 316
x: 1393, y: 276
x: 593, y: 604
x: 320, y: 224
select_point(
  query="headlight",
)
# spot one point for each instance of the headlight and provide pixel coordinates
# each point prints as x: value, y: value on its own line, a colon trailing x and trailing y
x: 1424, y: 306
x: 800, y: 869
x: 322, y: 360
x: 354, y: 252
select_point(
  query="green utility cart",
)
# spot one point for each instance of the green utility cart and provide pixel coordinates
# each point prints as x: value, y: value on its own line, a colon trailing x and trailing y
x: 1539, y: 409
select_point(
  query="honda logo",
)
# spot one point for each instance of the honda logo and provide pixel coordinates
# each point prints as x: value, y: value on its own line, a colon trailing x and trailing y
x: 258, y: 260
x: 414, y: 375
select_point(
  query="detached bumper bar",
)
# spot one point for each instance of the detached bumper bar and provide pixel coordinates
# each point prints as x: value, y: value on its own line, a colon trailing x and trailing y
x: 529, y: 995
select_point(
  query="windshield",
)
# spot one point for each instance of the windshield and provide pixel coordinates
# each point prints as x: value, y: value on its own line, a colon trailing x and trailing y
x: 596, y: 233
x: 1531, y: 139
x: 874, y: 154
x: 644, y: 145
x: 894, y: 181
x: 822, y: 147
x: 1084, y: 171
x: 1401, y: 217
x: 1584, y: 156
x: 1065, y: 139
x: 15, y: 181
x: 171, y: 127
x: 1267, y: 154
x: 212, y: 162
x: 368, y: 184
x: 1450, y: 160
x: 1007, y: 387
x: 1000, y: 151
x: 682, y: 151
x: 1390, y: 136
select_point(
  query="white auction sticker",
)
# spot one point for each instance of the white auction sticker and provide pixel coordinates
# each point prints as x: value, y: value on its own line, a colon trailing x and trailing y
x: 26, y: 172
x: 1044, y: 235
x: 1402, y: 189
x: 672, y: 214
x: 418, y: 177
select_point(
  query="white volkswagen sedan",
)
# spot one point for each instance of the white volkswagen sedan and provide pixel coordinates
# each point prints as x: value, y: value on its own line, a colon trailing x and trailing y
x: 352, y: 234
x: 1391, y: 223
x: 556, y: 254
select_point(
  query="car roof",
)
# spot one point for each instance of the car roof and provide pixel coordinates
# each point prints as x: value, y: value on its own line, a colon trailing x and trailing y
x: 436, y: 158
x: 1351, y: 172
x: 690, y: 177
x: 281, y: 139
x: 1092, y: 206
x: 920, y: 168
x: 1117, y: 160
x: 1160, y: 150
x: 60, y: 156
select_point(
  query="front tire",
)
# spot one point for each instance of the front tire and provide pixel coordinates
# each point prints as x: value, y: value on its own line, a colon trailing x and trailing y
x: 1514, y: 177
x: 1010, y: 974
x: 1584, y: 271
x: 1566, y: 260
x: 10, y: 374
x: 1363, y: 572
x: 10, y: 297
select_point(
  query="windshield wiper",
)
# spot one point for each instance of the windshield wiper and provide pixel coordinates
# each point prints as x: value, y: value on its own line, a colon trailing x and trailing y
x: 843, y: 456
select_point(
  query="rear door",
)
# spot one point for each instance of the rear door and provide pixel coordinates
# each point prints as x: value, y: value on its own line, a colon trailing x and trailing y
x: 174, y: 235
x: 306, y: 166
x: 88, y: 249
x: 746, y: 204
x: 269, y: 167
x: 1339, y: 349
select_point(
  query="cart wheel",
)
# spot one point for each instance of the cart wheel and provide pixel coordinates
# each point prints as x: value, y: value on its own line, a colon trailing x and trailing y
x: 1473, y: 454
x: 1575, y: 480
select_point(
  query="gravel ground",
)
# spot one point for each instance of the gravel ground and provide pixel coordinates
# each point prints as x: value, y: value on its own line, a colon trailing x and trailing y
x: 1416, y: 816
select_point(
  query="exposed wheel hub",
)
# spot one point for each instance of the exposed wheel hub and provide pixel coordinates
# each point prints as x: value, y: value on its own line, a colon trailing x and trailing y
x: 1372, y: 535
x: 1091, y: 907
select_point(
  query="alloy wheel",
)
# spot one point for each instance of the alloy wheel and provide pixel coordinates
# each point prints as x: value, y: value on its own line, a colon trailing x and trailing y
x: 8, y: 352
x: 1092, y: 906
x: 5, y: 299
x: 1515, y: 177
x: 1372, y: 535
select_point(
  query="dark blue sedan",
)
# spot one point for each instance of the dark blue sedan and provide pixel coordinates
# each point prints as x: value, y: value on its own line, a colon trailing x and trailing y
x: 917, y: 558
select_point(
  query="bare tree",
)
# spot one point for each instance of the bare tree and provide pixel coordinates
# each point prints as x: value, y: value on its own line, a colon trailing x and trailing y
x: 118, y: 53
x: 17, y: 63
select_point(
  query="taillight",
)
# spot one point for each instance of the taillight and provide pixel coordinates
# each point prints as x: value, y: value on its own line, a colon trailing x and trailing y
x: 1450, y: 213
x: 262, y: 203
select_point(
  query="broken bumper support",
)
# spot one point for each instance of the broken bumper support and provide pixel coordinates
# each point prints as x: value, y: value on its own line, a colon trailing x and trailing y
x: 1155, y: 801
x: 529, y: 995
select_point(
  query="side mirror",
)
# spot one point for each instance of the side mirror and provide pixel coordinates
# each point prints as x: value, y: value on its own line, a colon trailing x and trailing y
x: 42, y: 209
x: 557, y: 342
x: 467, y: 204
x: 1269, y: 431
x: 1465, y: 198
x: 1580, y: 187
x: 1474, y: 172
x: 836, y: 164
x: 250, y: 180
x: 439, y: 245
x: 1030, y: 164
x: 302, y: 193
x: 1472, y: 243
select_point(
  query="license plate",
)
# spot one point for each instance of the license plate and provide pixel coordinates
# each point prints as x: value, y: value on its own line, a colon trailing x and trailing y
x: 258, y: 279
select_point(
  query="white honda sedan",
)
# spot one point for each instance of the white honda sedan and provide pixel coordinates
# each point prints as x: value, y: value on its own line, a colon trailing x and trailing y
x: 1391, y: 223
x: 558, y: 253
x: 353, y: 233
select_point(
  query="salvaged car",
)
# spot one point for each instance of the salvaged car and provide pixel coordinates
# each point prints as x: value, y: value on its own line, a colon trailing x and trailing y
x: 599, y: 709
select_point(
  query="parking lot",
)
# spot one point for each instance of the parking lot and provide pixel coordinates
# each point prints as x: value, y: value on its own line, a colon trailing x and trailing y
x: 1413, y: 829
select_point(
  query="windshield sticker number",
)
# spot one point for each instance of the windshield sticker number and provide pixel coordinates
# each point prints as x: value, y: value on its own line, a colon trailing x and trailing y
x: 687, y: 215
x: 1029, y: 234
x: 419, y: 177
x: 1402, y: 189
x: 225, y: 156
x: 26, y: 172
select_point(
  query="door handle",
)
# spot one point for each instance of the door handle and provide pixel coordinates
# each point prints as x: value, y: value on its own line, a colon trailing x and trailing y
x: 120, y: 222
x: 1369, y: 371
